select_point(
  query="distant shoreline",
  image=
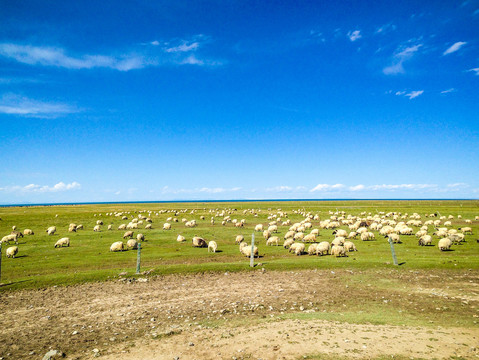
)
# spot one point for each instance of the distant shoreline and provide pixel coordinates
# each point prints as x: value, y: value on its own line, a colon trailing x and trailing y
x: 215, y: 201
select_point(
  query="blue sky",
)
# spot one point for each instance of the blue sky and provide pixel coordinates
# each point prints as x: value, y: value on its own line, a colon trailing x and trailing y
x: 179, y: 100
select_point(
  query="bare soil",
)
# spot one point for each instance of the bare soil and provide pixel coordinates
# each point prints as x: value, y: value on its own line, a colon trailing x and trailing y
x: 254, y: 315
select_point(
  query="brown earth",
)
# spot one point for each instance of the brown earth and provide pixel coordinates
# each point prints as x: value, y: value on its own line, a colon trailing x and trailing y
x: 253, y: 315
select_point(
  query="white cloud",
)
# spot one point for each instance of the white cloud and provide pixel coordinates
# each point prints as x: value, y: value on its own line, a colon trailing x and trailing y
x: 192, y: 60
x: 54, y: 56
x: 279, y: 188
x: 414, y: 94
x: 327, y: 187
x: 357, y: 187
x: 401, y: 55
x: 448, y: 91
x: 34, y: 188
x: 401, y: 187
x: 184, y: 47
x: 476, y: 70
x: 385, y: 28
x: 22, y: 106
x: 354, y: 35
x: 455, y: 47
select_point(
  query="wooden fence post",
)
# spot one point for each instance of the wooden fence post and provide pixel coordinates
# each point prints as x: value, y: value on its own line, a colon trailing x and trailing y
x: 138, y: 258
x: 392, y: 251
x: 251, y: 259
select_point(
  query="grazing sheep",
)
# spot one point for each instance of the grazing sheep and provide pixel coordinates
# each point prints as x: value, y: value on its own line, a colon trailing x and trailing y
x: 273, y: 229
x: 180, y: 238
x: 110, y: 227
x: 456, y: 238
x: 466, y: 230
x: 128, y: 234
x: 441, y: 233
x: 140, y: 237
x: 148, y: 226
x: 266, y: 234
x: 18, y: 234
x: 297, y: 248
x: 367, y: 235
x: 352, y: 235
x: 315, y: 232
x: 245, y: 249
x: 323, y: 248
x: 132, y: 244
x: 72, y: 228
x: 122, y: 227
x: 425, y: 240
x: 117, y: 246
x: 239, y: 224
x: 258, y: 227
x: 340, y: 232
x: 298, y: 236
x: 444, y: 244
x: 338, y: 251
x: 239, y: 239
x: 339, y: 241
x: 97, y: 228
x: 287, y: 243
x: 349, y: 246
x: 309, y: 238
x: 166, y: 226
x: 312, y: 249
x: 199, y: 242
x: 11, y: 251
x: 63, y: 242
x: 51, y: 230
x: 99, y: 222
x: 273, y: 240
x: 213, y: 246
x: 28, y: 232
x: 394, y: 237
x: 8, y: 238
x: 289, y: 235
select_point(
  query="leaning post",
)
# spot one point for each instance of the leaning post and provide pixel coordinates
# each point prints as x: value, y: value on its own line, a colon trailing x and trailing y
x: 395, y: 260
x: 251, y: 259
x: 138, y: 258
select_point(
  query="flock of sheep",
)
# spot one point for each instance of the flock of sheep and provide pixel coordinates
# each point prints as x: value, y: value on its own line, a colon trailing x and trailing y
x: 394, y: 226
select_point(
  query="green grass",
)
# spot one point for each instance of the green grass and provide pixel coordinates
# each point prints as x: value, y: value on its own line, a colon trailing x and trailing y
x: 88, y: 258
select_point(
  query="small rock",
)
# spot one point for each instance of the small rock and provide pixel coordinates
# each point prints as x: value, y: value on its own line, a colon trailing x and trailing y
x: 142, y: 280
x: 75, y: 332
x: 53, y: 354
x: 191, y: 344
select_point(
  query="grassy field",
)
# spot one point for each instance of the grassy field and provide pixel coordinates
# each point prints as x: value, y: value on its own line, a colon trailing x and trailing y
x: 39, y: 264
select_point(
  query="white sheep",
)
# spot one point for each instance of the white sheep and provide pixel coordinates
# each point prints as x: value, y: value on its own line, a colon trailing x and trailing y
x: 394, y: 237
x: 97, y: 228
x: 122, y: 227
x: 166, y: 226
x: 338, y: 241
x: 63, y: 242
x: 245, y: 249
x: 28, y: 232
x: 425, y: 240
x: 273, y: 240
x: 309, y: 238
x: 323, y: 248
x: 444, y: 244
x: 297, y: 248
x: 140, y: 237
x: 51, y: 230
x: 466, y: 230
x: 340, y: 232
x: 239, y: 239
x: 148, y: 226
x: 132, y: 244
x: 258, y: 227
x: 117, y: 246
x: 180, y: 238
x: 287, y: 243
x: 110, y: 227
x: 289, y: 234
x: 349, y: 246
x: 11, y: 251
x: 273, y: 229
x: 199, y: 242
x: 312, y: 249
x: 128, y: 234
x: 338, y: 251
x: 99, y: 222
x: 8, y: 238
x: 298, y: 236
x: 213, y: 246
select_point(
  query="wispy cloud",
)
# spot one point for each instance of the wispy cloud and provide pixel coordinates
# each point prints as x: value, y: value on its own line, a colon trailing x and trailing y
x: 455, y: 47
x: 160, y: 53
x: 354, y: 35
x: 55, y: 56
x: 410, y: 95
x: 448, y: 91
x: 385, y: 28
x: 358, y: 187
x: 22, y: 106
x: 401, y: 55
x: 34, y: 188
x: 327, y: 187
x: 475, y: 70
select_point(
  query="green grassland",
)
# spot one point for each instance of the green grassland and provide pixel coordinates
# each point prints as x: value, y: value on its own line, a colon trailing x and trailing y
x: 39, y: 264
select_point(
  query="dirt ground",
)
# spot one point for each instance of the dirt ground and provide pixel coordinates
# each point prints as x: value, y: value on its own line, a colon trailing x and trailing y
x: 255, y: 315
